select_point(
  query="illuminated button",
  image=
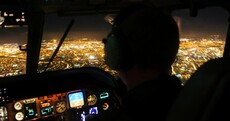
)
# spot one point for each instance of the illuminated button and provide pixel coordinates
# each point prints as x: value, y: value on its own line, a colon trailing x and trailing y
x: 19, y: 116
x: 28, y: 101
x: 104, y: 95
x: 93, y: 110
x: 105, y: 106
x: 18, y: 106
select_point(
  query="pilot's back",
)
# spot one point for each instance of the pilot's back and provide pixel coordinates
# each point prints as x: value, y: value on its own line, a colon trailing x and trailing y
x: 151, y: 100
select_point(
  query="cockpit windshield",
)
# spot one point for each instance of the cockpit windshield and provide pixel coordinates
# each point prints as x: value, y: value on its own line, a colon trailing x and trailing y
x: 12, y: 59
x: 82, y: 46
x: 201, y: 38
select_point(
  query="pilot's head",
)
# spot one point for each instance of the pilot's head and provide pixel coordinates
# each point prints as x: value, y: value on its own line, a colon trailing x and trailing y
x: 143, y: 37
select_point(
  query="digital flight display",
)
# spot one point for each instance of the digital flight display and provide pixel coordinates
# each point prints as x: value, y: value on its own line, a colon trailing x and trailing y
x: 30, y: 109
x: 93, y: 110
x: 47, y: 111
x: 76, y: 99
x: 46, y: 107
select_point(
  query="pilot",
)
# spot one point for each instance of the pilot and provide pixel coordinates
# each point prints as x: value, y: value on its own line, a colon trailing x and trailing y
x: 142, y: 47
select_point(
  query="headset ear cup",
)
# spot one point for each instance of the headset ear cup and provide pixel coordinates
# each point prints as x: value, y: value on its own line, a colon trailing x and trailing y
x: 112, y: 52
x: 117, y: 52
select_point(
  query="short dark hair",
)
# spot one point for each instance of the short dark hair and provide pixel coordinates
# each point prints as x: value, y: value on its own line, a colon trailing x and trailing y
x: 152, y: 36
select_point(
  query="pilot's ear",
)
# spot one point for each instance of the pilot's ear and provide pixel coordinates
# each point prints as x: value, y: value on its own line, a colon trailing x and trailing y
x: 117, y: 51
x: 112, y: 51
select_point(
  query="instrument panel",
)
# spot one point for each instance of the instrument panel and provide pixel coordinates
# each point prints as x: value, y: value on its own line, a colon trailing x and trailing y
x: 55, y: 106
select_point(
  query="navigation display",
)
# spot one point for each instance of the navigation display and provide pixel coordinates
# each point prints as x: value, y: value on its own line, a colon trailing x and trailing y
x: 76, y: 99
x: 30, y: 109
x: 46, y: 107
x: 47, y: 111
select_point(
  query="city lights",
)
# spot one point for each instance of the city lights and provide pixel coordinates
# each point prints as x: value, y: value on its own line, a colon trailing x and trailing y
x: 78, y: 53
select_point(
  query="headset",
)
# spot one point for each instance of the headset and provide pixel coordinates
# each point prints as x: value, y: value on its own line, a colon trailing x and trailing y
x: 118, y: 54
x: 117, y: 51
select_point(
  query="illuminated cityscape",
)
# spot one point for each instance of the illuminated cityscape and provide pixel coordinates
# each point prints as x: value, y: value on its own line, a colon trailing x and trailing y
x: 85, y: 52
x: 192, y: 54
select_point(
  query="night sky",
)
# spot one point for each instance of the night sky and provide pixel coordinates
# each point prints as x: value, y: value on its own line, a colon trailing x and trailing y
x: 85, y: 26
x: 209, y: 21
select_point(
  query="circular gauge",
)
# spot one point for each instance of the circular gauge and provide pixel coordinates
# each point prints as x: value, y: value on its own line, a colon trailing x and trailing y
x: 92, y: 99
x: 105, y: 106
x: 18, y: 106
x: 19, y: 116
x: 60, y: 106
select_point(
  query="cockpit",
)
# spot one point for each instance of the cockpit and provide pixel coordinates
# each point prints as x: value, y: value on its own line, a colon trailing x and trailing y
x: 65, y: 74
x: 52, y: 55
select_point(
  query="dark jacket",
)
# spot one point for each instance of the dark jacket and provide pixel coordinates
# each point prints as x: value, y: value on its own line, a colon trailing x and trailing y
x: 151, y: 100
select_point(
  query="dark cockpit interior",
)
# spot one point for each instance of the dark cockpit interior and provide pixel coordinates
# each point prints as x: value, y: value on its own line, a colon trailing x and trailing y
x: 40, y: 93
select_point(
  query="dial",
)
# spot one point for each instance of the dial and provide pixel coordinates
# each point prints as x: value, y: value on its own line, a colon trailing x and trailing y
x: 92, y: 99
x: 60, y: 106
x: 18, y: 106
x: 19, y: 116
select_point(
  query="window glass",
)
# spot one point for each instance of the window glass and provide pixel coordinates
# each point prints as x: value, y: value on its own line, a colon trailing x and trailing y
x: 82, y: 46
x: 201, y: 38
x: 13, y: 39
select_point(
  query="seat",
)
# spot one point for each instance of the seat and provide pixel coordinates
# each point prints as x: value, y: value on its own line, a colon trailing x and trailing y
x: 205, y: 96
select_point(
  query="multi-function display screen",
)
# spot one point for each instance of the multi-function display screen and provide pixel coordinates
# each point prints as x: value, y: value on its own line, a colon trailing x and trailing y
x: 30, y: 108
x: 76, y: 99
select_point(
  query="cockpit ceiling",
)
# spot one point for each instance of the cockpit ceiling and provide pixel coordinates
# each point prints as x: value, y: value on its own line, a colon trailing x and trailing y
x: 89, y: 6
x: 82, y: 5
x: 106, y: 5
